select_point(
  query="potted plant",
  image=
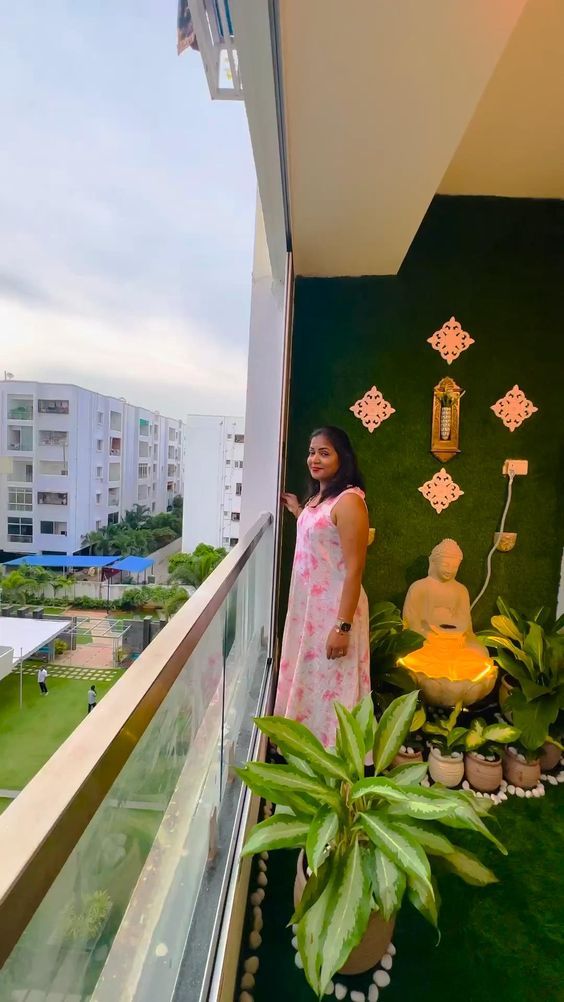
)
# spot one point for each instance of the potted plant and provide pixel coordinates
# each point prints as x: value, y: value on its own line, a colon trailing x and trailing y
x: 412, y: 749
x: 447, y: 741
x: 531, y: 654
x: 390, y: 641
x: 484, y: 768
x: 369, y: 842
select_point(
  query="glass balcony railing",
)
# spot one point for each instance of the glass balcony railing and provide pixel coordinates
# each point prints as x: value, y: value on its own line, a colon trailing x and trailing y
x: 105, y: 872
x: 23, y: 412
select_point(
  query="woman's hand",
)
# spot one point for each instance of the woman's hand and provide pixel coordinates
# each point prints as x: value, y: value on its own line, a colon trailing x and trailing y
x: 337, y: 644
x: 291, y: 504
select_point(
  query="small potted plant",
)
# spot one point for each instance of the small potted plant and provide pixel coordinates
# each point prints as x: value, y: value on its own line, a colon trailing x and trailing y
x: 531, y: 654
x: 484, y: 745
x: 448, y: 742
x: 413, y: 747
x: 369, y: 842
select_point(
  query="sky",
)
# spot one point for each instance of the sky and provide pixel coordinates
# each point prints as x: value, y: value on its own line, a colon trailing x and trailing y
x: 126, y: 209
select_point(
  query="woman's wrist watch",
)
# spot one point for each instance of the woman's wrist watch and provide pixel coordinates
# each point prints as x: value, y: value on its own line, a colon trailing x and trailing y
x: 342, y: 627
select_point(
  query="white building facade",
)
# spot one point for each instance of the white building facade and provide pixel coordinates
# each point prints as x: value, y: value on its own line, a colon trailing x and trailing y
x: 75, y: 461
x: 213, y: 480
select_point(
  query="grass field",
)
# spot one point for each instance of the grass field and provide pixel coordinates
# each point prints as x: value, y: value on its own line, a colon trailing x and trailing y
x: 28, y: 737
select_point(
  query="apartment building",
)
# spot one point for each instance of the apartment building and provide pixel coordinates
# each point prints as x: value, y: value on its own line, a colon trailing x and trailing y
x: 76, y: 461
x: 213, y: 480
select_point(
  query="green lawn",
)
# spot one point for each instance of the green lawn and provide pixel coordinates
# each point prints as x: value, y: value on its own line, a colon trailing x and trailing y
x: 28, y: 737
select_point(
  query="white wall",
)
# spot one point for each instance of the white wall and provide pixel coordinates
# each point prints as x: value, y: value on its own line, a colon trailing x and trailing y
x: 265, y: 380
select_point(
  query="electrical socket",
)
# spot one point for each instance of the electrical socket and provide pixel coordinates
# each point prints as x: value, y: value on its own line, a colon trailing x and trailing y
x: 519, y: 467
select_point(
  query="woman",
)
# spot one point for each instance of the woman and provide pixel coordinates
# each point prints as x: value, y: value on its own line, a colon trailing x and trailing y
x: 325, y: 650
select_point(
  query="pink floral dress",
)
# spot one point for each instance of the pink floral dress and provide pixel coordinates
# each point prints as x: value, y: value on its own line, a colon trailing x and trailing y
x: 309, y: 682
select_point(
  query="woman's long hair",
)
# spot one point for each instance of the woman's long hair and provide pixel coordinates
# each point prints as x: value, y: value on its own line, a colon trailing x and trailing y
x: 348, y: 474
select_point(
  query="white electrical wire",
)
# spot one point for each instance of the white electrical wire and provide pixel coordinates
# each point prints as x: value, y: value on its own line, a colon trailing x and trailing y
x: 494, y: 547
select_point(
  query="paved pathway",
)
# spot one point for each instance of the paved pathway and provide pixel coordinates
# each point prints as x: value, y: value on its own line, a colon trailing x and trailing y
x: 81, y: 674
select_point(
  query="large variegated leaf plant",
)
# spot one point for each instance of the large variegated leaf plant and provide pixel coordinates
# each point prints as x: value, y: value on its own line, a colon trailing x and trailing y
x: 369, y: 842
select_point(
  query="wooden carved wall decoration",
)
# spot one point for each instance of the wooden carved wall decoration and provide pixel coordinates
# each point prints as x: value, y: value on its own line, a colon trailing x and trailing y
x: 445, y: 430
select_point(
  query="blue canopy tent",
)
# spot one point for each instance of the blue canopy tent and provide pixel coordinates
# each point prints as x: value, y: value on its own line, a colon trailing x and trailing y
x: 108, y: 566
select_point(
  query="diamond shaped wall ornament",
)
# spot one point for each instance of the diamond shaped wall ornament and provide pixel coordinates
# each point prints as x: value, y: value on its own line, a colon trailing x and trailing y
x: 372, y: 409
x: 440, y: 491
x: 450, y: 340
x: 514, y: 408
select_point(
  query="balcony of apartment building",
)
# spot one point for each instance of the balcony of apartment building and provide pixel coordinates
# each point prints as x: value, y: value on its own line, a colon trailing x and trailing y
x: 52, y: 468
x: 144, y: 450
x: 115, y: 446
x: 20, y: 408
x: 113, y: 497
x: 20, y: 499
x: 143, y: 471
x: 53, y: 444
x: 115, y: 421
x: 144, y: 428
x: 52, y: 528
x: 53, y: 406
x: 19, y: 438
x: 56, y: 498
x: 168, y: 886
x: 20, y: 472
x: 143, y: 492
x: 114, y: 472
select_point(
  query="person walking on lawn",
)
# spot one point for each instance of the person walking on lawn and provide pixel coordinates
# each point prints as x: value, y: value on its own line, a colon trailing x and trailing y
x: 41, y: 677
x: 92, y: 697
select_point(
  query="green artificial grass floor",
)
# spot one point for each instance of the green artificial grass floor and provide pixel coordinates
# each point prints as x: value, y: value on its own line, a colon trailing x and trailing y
x: 28, y: 737
x: 504, y: 943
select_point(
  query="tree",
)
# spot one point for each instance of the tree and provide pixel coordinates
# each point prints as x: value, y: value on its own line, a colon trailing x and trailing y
x: 193, y: 568
x: 98, y: 542
x: 137, y: 516
x: 14, y: 585
x: 62, y: 582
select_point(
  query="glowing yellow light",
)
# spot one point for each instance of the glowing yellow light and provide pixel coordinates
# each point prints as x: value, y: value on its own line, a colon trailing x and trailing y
x: 447, y: 669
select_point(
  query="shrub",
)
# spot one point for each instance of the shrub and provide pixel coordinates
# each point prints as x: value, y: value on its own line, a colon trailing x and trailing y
x: 61, y: 647
x: 89, y: 922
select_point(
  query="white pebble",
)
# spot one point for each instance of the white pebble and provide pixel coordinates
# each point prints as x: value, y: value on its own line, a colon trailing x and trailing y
x: 528, y: 794
x: 298, y: 961
x: 502, y: 796
x: 511, y: 789
x: 403, y: 749
x: 251, y: 965
x: 480, y: 757
x: 294, y: 928
x: 247, y: 981
x: 487, y: 796
x: 491, y: 758
x: 373, y: 993
x: 254, y: 898
x: 425, y: 782
x: 262, y: 880
x: 478, y: 794
x: 386, y: 962
x: 410, y: 751
x: 512, y: 750
x: 536, y: 792
x: 340, y: 991
x: 553, y: 780
x: 264, y: 855
x: 466, y: 785
x: 520, y: 792
x: 521, y: 758
x: 262, y: 865
x: 541, y: 791
x: 560, y: 777
x: 391, y: 950
x: 295, y: 942
x: 330, y: 988
x: 381, y: 978
x: 358, y: 997
x: 255, y: 939
x: 258, y: 923
x: 543, y: 775
x: 503, y: 784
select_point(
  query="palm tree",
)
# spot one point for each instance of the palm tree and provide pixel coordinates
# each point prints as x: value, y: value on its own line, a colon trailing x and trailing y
x: 98, y: 542
x: 62, y: 582
x: 137, y: 516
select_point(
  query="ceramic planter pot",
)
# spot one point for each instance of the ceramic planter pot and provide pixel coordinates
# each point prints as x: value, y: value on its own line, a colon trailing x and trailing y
x: 373, y: 944
x: 550, y: 757
x: 523, y: 774
x: 482, y: 775
x: 505, y: 691
x: 402, y: 758
x: 445, y: 769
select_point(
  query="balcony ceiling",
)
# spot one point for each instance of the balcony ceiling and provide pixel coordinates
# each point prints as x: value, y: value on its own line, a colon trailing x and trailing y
x: 402, y: 98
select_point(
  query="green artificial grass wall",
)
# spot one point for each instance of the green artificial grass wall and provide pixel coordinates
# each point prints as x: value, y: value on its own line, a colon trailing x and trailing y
x: 497, y: 265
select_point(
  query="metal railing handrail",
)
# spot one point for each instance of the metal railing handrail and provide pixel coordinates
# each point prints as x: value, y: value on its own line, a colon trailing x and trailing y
x: 42, y: 826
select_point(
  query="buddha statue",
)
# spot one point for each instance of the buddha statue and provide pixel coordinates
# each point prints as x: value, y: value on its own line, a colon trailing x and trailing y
x: 452, y: 664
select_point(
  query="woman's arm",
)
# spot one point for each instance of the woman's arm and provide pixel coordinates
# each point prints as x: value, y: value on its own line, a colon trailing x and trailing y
x: 351, y: 518
x: 292, y: 504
